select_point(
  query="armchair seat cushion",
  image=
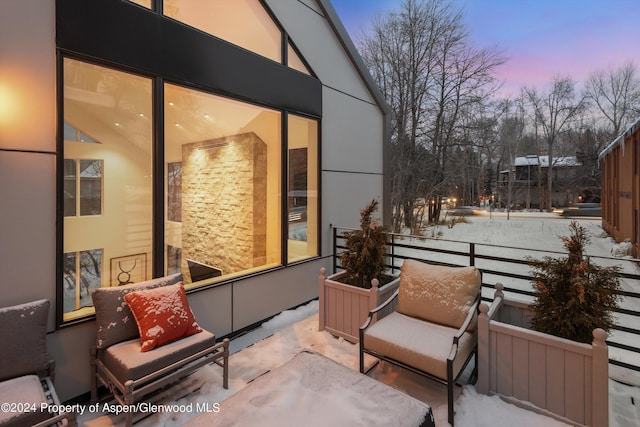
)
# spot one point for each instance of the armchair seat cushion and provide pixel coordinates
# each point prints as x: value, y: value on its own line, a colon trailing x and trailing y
x: 127, y: 362
x: 419, y: 344
x: 25, y: 390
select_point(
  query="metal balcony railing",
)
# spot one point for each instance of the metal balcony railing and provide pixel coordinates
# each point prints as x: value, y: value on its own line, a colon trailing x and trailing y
x: 511, y: 266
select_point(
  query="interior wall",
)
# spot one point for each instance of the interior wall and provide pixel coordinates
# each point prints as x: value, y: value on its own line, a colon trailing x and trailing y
x: 223, y: 192
x: 124, y: 227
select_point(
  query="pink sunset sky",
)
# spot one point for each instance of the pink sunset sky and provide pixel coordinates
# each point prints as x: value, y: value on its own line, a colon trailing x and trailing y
x: 539, y: 38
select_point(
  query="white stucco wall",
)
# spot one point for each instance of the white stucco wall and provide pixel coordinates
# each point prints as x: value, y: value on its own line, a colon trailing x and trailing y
x: 27, y: 175
x: 352, y: 123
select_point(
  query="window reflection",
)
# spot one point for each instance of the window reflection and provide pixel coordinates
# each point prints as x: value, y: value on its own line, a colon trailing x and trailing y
x: 302, y: 188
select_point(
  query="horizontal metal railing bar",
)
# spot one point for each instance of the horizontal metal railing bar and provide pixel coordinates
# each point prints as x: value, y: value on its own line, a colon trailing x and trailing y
x: 623, y: 346
x: 489, y: 245
x: 404, y: 257
x: 624, y: 365
x: 630, y: 294
x: 627, y: 311
x: 626, y: 329
x: 509, y: 260
x: 505, y: 274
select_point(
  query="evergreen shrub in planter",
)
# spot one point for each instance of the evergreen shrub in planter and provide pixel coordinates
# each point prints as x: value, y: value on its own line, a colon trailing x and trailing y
x: 574, y: 296
x: 364, y: 258
x: 346, y: 297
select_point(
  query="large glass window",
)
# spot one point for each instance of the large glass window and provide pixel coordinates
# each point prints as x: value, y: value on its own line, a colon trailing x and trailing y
x: 229, y: 155
x: 302, y: 188
x: 295, y: 62
x: 223, y: 182
x: 242, y: 22
x: 107, y: 185
x: 146, y: 3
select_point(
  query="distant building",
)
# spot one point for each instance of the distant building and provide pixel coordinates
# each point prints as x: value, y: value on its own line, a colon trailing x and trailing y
x: 619, y: 163
x: 529, y: 181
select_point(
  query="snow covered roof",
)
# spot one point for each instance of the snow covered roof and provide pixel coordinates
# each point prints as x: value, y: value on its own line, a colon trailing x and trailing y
x: 631, y: 129
x: 543, y: 161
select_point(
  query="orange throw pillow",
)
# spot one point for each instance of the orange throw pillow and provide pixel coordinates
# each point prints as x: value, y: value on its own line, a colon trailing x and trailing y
x: 163, y: 315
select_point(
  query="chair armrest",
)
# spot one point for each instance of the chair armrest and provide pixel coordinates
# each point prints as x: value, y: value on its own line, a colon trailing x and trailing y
x: 367, y: 323
x: 467, y: 321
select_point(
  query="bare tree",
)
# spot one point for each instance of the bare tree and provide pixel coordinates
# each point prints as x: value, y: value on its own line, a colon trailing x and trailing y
x: 510, y: 139
x: 553, y: 113
x: 429, y: 74
x: 616, y: 95
x: 399, y: 53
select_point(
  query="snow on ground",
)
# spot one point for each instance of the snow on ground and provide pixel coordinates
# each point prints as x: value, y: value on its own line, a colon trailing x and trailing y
x: 279, y: 339
x: 287, y: 334
x: 472, y: 409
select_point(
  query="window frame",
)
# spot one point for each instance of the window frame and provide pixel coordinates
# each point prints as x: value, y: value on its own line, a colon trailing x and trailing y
x: 246, y: 77
x: 78, y: 181
x: 160, y: 186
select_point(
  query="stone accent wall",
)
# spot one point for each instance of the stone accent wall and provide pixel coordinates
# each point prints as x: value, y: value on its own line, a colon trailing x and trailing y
x: 224, y: 196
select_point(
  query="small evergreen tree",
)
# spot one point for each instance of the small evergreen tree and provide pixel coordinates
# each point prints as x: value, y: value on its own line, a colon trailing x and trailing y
x: 366, y: 250
x: 573, y: 296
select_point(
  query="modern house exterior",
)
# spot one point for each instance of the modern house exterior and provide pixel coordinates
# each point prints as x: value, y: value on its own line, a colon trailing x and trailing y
x: 142, y: 138
x: 529, y: 177
x: 619, y: 163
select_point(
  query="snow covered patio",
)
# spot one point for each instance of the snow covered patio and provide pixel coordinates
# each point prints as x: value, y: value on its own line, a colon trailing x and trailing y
x: 281, y: 338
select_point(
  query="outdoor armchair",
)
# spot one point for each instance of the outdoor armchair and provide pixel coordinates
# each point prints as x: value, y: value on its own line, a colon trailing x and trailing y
x: 26, y: 372
x: 433, y: 329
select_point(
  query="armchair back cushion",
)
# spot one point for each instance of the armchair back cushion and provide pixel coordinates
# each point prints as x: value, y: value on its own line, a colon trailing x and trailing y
x: 437, y: 294
x: 23, y: 332
x: 114, y: 320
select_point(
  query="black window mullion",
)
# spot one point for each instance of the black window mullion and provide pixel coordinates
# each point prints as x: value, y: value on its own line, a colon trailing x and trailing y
x: 59, y: 309
x: 285, y: 49
x: 158, y: 179
x: 284, y: 203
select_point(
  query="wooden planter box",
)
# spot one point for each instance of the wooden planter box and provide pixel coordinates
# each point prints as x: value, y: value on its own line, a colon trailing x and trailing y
x: 563, y: 378
x: 344, y: 308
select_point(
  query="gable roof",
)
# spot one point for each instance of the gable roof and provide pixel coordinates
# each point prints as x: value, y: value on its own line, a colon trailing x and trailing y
x: 346, y: 42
